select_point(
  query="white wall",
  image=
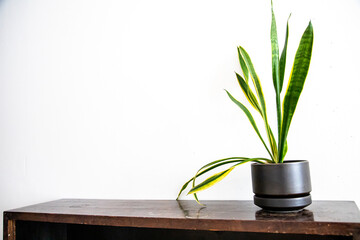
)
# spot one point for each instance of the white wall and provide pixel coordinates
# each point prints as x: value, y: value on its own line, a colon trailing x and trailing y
x: 125, y: 99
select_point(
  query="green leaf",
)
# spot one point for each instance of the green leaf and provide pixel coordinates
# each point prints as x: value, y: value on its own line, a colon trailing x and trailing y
x: 254, y: 78
x: 220, y: 161
x: 285, y: 149
x: 275, y: 70
x: 260, y: 94
x: 248, y: 93
x: 183, y: 188
x: 219, y: 176
x: 243, y: 66
x: 197, y: 200
x: 273, y: 145
x: 251, y: 119
x: 274, y: 52
x: 211, y: 181
x: 296, y: 83
x: 283, y: 56
x: 213, y: 165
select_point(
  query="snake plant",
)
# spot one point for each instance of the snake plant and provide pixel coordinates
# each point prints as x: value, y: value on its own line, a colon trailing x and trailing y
x: 276, y: 148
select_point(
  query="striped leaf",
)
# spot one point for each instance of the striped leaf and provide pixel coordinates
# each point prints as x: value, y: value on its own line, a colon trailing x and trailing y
x: 212, y: 165
x: 296, y: 83
x: 274, y: 148
x: 254, y: 78
x: 274, y: 53
x: 275, y: 68
x: 251, y: 119
x: 210, y: 181
x: 218, y: 177
x: 248, y: 93
x: 282, y: 62
x: 243, y: 66
x: 183, y: 188
x: 221, y: 162
x: 285, y: 149
x: 260, y: 94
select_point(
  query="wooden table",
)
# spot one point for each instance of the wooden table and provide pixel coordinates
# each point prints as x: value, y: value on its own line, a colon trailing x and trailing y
x: 69, y: 219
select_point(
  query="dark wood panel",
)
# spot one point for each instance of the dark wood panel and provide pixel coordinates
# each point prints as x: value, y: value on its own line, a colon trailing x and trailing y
x: 55, y: 231
x: 26, y: 230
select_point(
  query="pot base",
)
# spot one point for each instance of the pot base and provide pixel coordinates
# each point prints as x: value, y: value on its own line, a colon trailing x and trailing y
x: 282, y: 204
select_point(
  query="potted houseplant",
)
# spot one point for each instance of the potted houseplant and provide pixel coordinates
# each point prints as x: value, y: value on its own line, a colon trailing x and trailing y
x: 277, y: 184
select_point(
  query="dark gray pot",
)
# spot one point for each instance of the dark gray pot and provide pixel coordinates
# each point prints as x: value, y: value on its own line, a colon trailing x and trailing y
x: 283, y: 186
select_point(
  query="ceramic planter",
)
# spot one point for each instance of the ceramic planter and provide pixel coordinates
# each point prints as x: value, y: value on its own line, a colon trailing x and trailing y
x: 281, y: 187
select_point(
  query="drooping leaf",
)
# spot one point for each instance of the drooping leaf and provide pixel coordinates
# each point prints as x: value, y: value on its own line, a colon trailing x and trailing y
x: 183, y: 188
x: 251, y: 119
x: 212, y: 165
x: 218, y: 163
x: 211, y: 181
x: 296, y: 83
x: 197, y: 200
x: 221, y: 162
x: 218, y: 177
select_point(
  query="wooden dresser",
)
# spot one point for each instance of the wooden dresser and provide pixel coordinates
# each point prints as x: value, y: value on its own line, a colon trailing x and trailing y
x: 70, y: 219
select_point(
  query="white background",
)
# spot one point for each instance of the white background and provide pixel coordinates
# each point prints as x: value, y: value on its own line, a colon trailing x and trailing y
x: 125, y: 99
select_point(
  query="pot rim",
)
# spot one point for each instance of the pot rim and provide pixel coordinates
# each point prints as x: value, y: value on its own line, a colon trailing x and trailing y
x: 286, y: 162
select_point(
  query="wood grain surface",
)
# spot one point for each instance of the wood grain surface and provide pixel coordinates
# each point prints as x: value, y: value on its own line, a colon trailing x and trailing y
x: 320, y: 218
